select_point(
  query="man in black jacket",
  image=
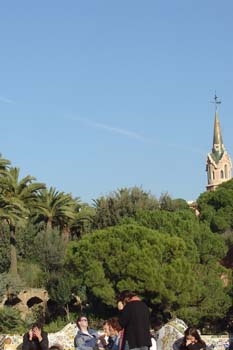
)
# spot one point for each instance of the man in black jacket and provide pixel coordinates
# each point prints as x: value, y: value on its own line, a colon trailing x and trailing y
x: 135, y: 320
x: 35, y: 339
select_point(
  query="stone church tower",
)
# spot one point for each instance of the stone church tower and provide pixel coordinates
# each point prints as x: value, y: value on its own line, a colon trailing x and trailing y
x: 219, y: 164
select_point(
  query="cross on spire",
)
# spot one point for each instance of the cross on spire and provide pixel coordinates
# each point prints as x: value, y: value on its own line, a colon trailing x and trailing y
x: 216, y: 101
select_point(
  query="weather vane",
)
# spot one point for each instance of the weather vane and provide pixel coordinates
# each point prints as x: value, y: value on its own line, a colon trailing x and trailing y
x: 216, y: 101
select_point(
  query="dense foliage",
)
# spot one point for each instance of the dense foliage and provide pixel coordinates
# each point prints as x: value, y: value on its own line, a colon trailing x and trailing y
x: 217, y: 207
x: 168, y: 270
x: 122, y: 203
x: 84, y: 255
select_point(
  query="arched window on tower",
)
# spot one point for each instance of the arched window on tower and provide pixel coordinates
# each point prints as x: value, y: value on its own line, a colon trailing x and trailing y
x: 213, y: 175
x: 225, y: 171
x: 222, y: 174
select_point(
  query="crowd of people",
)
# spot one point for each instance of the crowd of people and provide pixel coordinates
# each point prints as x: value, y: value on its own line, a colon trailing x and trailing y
x: 129, y: 331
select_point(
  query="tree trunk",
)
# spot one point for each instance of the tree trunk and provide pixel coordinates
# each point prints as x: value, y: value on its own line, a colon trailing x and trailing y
x: 67, y: 312
x: 49, y: 224
x: 66, y: 234
x: 13, y: 263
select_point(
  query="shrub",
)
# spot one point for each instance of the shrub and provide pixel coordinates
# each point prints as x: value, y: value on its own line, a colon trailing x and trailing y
x: 32, y: 274
x: 55, y: 325
x: 11, y: 322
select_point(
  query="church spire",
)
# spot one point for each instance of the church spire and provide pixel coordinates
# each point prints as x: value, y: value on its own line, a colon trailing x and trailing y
x: 219, y: 164
x: 218, y: 146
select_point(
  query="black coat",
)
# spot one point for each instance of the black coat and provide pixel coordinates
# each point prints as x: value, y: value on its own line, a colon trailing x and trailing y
x: 135, y: 319
x: 34, y: 344
x: 195, y: 346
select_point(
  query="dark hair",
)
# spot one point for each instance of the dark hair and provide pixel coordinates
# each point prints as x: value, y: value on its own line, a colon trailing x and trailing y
x: 37, y: 325
x: 156, y: 325
x: 125, y: 295
x: 79, y: 319
x: 194, y: 333
x: 56, y: 347
x: 114, y: 323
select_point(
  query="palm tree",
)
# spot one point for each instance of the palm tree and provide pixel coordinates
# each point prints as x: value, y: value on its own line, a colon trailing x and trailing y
x: 4, y: 164
x: 57, y: 209
x: 15, y: 214
x: 83, y: 221
x: 18, y: 198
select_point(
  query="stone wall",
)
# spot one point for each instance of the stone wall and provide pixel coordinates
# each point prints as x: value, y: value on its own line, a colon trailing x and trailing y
x: 26, y: 299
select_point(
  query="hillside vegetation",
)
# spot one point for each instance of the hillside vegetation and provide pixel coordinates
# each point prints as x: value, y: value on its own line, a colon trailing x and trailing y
x: 84, y: 255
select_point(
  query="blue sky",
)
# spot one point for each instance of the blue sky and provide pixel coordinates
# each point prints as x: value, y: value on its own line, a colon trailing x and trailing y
x: 98, y: 95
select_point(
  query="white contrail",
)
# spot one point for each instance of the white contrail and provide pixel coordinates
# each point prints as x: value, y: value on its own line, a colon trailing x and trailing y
x: 116, y: 130
x: 131, y: 134
x: 6, y: 100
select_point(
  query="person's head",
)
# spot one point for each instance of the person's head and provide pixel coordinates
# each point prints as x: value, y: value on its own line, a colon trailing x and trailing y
x: 35, y: 328
x: 114, y: 326
x: 125, y: 296
x: 156, y: 325
x: 56, y: 347
x: 106, y: 328
x: 192, y: 334
x: 82, y: 323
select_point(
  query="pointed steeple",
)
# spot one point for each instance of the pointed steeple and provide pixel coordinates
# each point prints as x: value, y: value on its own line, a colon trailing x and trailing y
x: 218, y: 146
x: 218, y: 164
